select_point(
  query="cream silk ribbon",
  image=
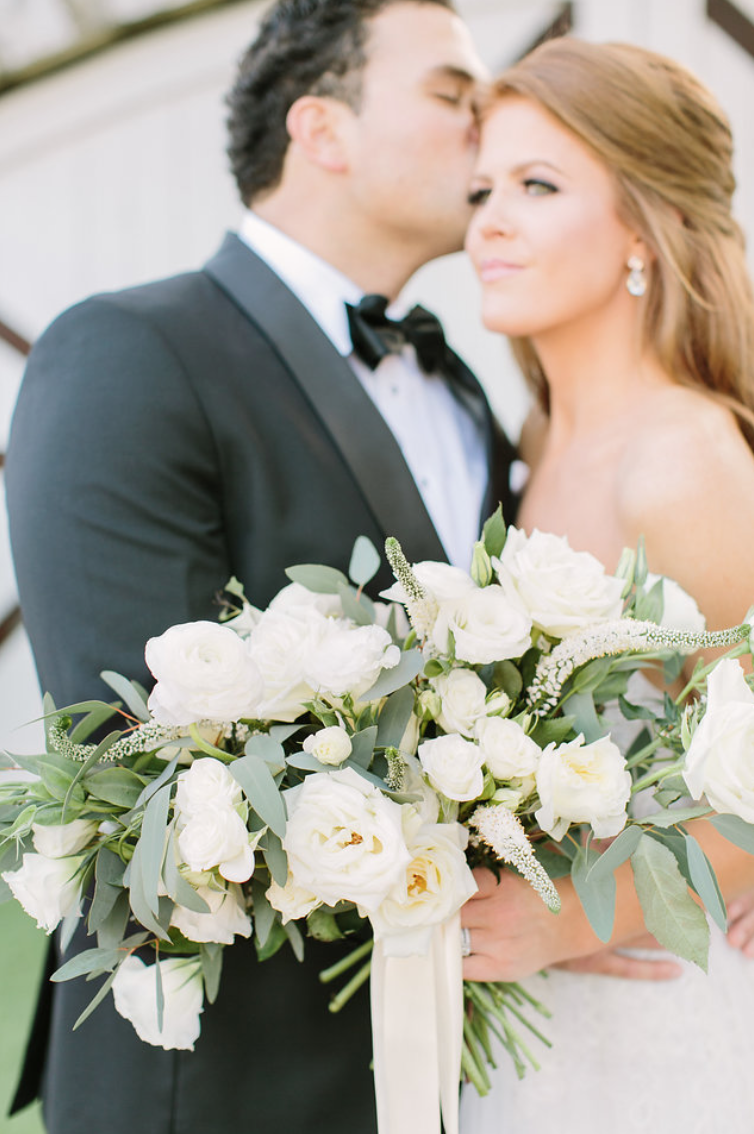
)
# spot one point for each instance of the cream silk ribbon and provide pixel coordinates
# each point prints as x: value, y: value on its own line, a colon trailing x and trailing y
x: 417, y: 1031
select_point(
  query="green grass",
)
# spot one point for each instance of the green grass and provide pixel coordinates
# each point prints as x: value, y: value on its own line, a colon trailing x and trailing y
x: 22, y: 951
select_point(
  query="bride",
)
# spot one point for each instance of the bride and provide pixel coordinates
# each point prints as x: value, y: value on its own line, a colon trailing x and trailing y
x: 605, y: 245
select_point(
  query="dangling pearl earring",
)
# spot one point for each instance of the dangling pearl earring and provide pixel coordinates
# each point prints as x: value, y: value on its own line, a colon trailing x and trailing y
x: 636, y: 282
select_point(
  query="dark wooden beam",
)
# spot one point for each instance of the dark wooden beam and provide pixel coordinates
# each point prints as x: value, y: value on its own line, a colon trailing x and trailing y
x: 730, y: 19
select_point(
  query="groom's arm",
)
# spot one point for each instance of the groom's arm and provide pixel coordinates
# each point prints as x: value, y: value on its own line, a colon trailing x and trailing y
x: 112, y: 497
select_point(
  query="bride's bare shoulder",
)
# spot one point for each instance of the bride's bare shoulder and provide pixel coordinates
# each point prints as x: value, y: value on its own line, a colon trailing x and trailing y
x: 683, y: 449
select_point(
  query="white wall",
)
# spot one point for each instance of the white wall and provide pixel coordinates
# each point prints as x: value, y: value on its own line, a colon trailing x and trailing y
x: 113, y: 172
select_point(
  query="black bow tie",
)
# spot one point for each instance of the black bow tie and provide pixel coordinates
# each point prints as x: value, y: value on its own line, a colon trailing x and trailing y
x: 374, y: 335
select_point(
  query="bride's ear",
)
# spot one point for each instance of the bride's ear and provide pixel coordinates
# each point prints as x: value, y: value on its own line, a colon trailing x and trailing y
x: 315, y: 127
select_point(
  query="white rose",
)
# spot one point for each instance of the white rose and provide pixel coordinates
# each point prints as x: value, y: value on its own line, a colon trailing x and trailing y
x: 463, y: 695
x: 62, y: 839
x: 441, y: 581
x: 486, y: 627
x: 298, y: 601
x: 204, y: 672
x: 719, y: 761
x: 453, y: 766
x: 508, y: 752
x: 583, y: 783
x: 329, y: 745
x: 563, y: 590
x: 207, y: 783
x: 135, y: 996
x: 679, y: 610
x: 436, y: 884
x: 279, y: 644
x: 347, y: 658
x: 344, y: 839
x: 226, y: 918
x: 49, y: 889
x: 217, y: 837
x: 291, y: 901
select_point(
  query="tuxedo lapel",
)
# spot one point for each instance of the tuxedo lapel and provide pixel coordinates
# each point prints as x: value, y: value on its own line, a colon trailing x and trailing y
x: 356, y: 427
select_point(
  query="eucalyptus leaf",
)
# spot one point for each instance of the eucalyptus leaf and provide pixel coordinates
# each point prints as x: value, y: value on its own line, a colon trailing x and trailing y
x: 283, y: 732
x: 619, y: 850
x: 275, y: 857
x: 112, y: 929
x: 92, y: 721
x: 554, y: 731
x: 306, y: 762
x: 152, y: 845
x: 154, y: 786
x: 119, y: 786
x: 128, y: 692
x: 362, y: 744
x: 267, y: 748
x: 670, y: 913
x: 394, y: 717
x: 581, y: 708
x: 494, y: 532
x: 264, y: 914
x: 705, y: 882
x: 259, y: 787
x: 317, y: 578
x: 506, y: 676
x: 90, y: 961
x: 411, y: 663
x: 211, y: 954
x: 323, y: 926
x: 596, y: 892
x: 138, y: 899
x: 635, y: 712
x: 275, y: 939
x: 160, y: 995
x: 365, y: 561
x: 358, y: 608
x: 735, y: 830
x: 294, y: 935
x: 590, y: 675
x: 672, y: 817
x: 108, y: 872
x: 182, y: 893
x: 97, y: 1000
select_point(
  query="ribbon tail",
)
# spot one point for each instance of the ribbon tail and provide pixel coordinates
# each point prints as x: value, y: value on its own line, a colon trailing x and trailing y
x: 448, y: 969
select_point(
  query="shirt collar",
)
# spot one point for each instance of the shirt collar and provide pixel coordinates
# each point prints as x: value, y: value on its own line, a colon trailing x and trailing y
x: 320, y: 287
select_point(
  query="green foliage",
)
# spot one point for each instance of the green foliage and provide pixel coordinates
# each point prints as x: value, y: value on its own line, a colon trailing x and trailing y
x: 670, y: 913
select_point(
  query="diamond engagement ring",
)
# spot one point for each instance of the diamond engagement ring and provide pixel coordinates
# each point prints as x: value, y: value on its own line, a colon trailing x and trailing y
x: 465, y: 942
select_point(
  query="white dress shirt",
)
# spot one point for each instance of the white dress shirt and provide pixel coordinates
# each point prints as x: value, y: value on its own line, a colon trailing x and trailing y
x: 440, y: 442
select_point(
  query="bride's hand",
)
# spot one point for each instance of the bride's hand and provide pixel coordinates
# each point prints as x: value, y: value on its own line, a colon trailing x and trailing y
x: 614, y: 963
x: 741, y: 923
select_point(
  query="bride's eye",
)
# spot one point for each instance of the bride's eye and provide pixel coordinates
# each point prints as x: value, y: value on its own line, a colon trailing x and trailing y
x: 536, y: 187
x: 477, y: 197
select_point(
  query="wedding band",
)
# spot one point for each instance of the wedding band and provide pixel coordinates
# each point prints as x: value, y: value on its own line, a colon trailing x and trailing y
x: 465, y: 942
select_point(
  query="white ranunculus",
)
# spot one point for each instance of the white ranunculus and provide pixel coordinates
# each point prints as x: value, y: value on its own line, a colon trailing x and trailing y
x: 486, y: 626
x: 344, y: 839
x: 279, y: 645
x: 583, y: 783
x: 508, y: 752
x: 49, y: 889
x: 62, y: 839
x: 720, y: 759
x: 217, y: 837
x: 463, y: 700
x: 453, y: 766
x: 347, y: 658
x: 226, y: 918
x: 204, y: 672
x: 135, y: 996
x: 563, y: 590
x: 207, y: 783
x: 437, y: 882
x: 679, y: 609
x: 330, y: 745
x: 291, y: 901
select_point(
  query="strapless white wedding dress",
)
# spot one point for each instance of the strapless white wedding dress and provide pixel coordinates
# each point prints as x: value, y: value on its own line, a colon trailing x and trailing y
x: 630, y: 1057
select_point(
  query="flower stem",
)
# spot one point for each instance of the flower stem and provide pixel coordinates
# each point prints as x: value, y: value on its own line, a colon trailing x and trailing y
x: 345, y: 963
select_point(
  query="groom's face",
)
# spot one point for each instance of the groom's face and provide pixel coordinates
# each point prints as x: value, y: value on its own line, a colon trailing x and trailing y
x: 414, y: 138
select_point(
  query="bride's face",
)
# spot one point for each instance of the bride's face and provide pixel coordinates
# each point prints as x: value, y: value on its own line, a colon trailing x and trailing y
x: 546, y: 239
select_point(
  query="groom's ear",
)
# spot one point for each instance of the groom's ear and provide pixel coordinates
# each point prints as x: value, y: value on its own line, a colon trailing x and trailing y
x: 315, y: 125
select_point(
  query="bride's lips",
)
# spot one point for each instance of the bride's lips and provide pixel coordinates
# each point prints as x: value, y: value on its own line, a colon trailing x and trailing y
x: 492, y: 270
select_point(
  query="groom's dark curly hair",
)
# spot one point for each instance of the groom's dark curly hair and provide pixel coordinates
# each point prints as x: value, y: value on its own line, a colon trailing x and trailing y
x: 303, y: 47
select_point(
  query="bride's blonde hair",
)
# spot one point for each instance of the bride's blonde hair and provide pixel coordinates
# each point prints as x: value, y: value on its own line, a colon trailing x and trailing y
x: 668, y: 145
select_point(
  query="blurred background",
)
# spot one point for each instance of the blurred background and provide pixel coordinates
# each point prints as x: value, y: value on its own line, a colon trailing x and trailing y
x: 113, y: 172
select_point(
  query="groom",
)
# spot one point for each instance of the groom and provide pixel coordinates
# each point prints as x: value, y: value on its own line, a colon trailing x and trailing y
x: 221, y: 423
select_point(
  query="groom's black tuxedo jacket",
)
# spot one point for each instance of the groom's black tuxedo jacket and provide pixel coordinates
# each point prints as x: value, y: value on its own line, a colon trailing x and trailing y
x: 166, y: 438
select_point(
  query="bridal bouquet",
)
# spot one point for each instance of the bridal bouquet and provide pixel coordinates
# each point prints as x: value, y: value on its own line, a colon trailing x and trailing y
x: 328, y: 766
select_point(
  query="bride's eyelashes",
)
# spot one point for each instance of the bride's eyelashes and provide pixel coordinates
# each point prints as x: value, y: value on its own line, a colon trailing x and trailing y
x: 538, y: 187
x: 477, y: 197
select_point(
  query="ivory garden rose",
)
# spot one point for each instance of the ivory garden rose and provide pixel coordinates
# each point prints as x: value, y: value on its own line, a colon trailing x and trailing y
x: 49, y: 889
x: 453, y: 766
x: 561, y: 589
x: 583, y: 783
x: 719, y: 762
